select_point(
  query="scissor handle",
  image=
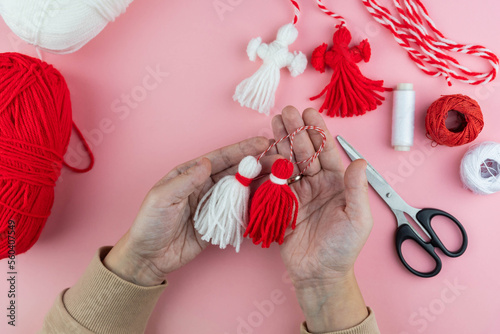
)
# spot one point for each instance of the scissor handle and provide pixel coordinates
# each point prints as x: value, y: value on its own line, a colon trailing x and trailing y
x: 424, y: 216
x: 405, y: 232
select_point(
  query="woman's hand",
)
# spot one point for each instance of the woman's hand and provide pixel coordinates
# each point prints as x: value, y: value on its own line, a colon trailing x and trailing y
x: 163, y: 238
x: 333, y: 224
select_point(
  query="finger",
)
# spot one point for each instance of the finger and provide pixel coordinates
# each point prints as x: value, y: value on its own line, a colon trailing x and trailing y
x: 330, y: 157
x: 180, y: 187
x: 279, y: 132
x: 303, y: 148
x: 226, y: 157
x: 356, y: 194
x: 274, y: 149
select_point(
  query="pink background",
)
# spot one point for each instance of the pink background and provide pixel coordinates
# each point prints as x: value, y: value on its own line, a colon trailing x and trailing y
x: 191, y: 112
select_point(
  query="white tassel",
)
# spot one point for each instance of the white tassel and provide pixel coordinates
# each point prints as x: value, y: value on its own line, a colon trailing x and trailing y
x: 222, y: 214
x: 258, y: 91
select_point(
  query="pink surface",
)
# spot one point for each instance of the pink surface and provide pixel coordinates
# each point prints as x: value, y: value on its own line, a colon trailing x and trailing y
x: 191, y: 112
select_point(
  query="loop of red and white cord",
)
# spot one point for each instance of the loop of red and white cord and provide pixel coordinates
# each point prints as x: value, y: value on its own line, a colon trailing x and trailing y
x: 291, y: 136
x: 296, y: 10
x: 330, y: 13
x: 428, y: 48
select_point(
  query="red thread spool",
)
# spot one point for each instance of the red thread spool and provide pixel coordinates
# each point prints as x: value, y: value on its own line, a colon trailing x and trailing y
x: 35, y: 128
x: 470, y: 120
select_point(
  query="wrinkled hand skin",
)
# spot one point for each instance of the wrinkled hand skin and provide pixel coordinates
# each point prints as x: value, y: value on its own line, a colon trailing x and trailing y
x: 163, y: 238
x: 333, y: 224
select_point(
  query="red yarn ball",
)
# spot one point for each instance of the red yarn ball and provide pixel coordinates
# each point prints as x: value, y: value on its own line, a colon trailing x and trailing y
x: 471, y: 120
x: 35, y: 128
x: 282, y: 169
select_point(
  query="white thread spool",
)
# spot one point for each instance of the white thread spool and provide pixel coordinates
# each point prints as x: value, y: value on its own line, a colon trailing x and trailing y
x: 480, y: 168
x: 403, y: 117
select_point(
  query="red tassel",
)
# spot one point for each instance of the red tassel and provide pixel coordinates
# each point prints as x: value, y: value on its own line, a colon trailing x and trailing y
x: 274, y: 207
x: 349, y: 93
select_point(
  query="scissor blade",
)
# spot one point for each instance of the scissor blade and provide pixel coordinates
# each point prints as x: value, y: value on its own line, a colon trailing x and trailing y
x: 354, y: 155
x: 384, y: 189
x: 379, y: 184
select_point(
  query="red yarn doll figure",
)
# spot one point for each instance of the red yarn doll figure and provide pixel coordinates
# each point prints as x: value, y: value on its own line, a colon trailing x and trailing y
x: 349, y: 93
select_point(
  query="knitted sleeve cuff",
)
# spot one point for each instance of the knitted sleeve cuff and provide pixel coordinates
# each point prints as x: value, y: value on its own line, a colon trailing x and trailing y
x: 368, y: 326
x: 102, y: 302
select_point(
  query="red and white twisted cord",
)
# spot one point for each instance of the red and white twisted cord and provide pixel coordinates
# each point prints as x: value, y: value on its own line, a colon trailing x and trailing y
x: 330, y: 13
x: 292, y: 137
x: 428, y: 49
x: 296, y: 10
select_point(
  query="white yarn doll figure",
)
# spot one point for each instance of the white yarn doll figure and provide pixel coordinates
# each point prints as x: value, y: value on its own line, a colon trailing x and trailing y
x: 257, y: 92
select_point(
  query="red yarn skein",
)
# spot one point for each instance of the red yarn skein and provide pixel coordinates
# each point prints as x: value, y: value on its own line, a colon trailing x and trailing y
x: 471, y: 120
x: 35, y: 128
x: 274, y: 207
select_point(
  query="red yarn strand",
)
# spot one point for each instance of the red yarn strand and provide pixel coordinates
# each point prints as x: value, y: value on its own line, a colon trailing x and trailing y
x: 292, y: 136
x: 296, y: 11
x: 87, y: 149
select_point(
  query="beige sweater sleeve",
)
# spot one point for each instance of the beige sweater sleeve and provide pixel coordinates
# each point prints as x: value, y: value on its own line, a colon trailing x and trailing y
x: 368, y: 326
x: 103, y: 303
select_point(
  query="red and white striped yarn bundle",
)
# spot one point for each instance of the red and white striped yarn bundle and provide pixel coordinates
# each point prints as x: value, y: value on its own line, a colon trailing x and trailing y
x: 330, y: 13
x: 416, y: 32
x: 258, y: 91
x: 223, y: 215
x: 349, y: 93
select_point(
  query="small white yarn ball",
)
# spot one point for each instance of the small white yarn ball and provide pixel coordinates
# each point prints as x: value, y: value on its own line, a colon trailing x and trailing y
x: 480, y: 168
x: 60, y: 26
x: 249, y: 167
x: 287, y: 34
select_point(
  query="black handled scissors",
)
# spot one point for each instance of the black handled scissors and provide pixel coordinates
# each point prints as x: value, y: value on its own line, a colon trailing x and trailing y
x: 422, y: 218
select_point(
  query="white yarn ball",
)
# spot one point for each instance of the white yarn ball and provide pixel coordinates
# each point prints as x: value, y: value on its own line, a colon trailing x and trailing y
x: 60, y: 26
x: 287, y: 34
x: 480, y: 168
x: 249, y: 167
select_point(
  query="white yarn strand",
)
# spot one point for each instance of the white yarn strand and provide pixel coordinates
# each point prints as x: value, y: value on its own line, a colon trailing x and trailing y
x: 222, y: 214
x: 277, y: 180
x: 60, y: 26
x: 480, y: 168
x: 258, y: 91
